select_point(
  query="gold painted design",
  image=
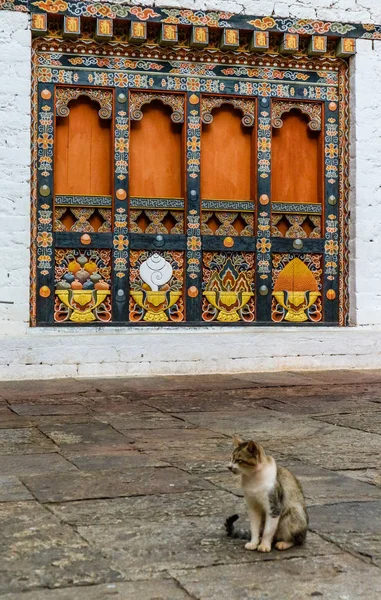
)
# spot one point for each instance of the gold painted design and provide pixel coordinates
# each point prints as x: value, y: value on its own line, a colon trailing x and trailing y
x: 82, y: 303
x: 296, y: 290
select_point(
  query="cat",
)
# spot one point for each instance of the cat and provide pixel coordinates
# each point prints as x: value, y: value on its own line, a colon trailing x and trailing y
x: 274, y: 498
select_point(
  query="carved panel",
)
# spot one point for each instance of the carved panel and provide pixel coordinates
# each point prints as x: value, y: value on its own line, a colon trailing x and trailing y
x: 312, y: 110
x: 156, y: 286
x: 228, y: 287
x: 65, y: 95
x: 297, y: 287
x: 175, y: 101
x: 82, y: 285
x: 209, y: 103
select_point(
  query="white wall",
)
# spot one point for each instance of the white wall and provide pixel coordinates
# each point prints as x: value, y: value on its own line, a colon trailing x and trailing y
x: 36, y: 353
x: 15, y: 64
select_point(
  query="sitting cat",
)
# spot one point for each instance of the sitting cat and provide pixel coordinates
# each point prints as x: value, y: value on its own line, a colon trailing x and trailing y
x: 274, y: 498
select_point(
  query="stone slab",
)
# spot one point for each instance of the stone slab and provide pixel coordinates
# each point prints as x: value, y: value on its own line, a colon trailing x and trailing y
x: 161, y: 508
x: 145, y: 420
x: 24, y: 441
x: 34, y: 463
x: 59, y: 487
x: 154, y: 547
x: 355, y: 527
x: 9, y: 419
x: 369, y: 421
x: 38, y: 551
x: 116, y: 461
x: 12, y: 490
x: 159, y: 589
x: 84, y: 433
x: 48, y: 409
x: 340, y: 577
x: 258, y: 424
x: 341, y: 449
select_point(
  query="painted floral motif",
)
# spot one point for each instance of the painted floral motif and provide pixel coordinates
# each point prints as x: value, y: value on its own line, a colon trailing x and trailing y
x: 120, y: 242
x: 45, y: 140
x: 193, y: 250
x: 65, y: 95
x: 121, y: 144
x: 331, y: 247
x: 331, y: 151
x: 194, y: 144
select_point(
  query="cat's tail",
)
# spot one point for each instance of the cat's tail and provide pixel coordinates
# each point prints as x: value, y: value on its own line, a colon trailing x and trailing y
x: 232, y: 532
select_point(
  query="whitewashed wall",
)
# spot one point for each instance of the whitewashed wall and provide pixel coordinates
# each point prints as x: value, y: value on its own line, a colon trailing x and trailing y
x: 38, y: 353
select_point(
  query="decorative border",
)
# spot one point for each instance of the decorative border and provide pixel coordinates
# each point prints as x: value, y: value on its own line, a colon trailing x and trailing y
x: 312, y: 110
x: 89, y: 201
x: 289, y: 207
x: 122, y: 10
x: 65, y: 95
x: 175, y: 101
x: 164, y: 203
x: 228, y: 205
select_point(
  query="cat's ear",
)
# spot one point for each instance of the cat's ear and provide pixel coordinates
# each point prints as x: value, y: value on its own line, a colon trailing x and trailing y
x: 237, y: 441
x: 252, y: 448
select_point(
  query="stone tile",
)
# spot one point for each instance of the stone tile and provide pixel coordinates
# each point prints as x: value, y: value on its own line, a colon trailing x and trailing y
x: 372, y: 476
x: 12, y: 490
x: 12, y: 390
x: 48, y: 409
x: 59, y: 487
x: 153, y: 547
x: 38, y: 551
x: 259, y: 424
x: 160, y: 508
x: 34, y: 463
x: 117, y: 461
x: 24, y: 441
x: 322, y: 487
x: 341, y: 449
x: 172, y: 438
x: 329, y: 577
x: 355, y: 527
x: 53, y: 420
x: 145, y: 420
x: 84, y: 433
x: 365, y: 421
x: 206, y: 401
x: 158, y: 589
x: 323, y: 405
x: 9, y: 420
x: 204, y: 456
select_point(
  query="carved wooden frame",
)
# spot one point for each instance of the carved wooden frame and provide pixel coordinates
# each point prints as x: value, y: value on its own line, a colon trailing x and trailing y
x: 311, y: 109
x: 175, y: 101
x: 246, y: 106
x: 65, y: 94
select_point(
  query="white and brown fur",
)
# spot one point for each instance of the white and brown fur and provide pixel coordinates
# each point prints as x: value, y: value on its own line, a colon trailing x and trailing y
x: 274, y: 498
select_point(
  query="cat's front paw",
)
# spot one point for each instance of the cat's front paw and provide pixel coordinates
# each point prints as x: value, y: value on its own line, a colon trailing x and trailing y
x: 251, y: 545
x: 263, y: 547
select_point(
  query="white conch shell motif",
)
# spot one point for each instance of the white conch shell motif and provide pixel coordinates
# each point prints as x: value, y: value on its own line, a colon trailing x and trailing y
x: 155, y: 271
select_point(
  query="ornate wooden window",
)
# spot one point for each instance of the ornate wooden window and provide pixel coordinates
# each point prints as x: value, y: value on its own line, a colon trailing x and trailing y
x: 187, y: 185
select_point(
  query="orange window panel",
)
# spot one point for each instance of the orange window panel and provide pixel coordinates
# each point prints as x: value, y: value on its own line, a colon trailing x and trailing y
x: 227, y: 157
x: 83, y: 151
x: 156, y: 154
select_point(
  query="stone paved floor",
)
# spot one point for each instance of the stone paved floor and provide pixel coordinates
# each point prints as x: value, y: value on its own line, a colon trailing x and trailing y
x: 119, y: 488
